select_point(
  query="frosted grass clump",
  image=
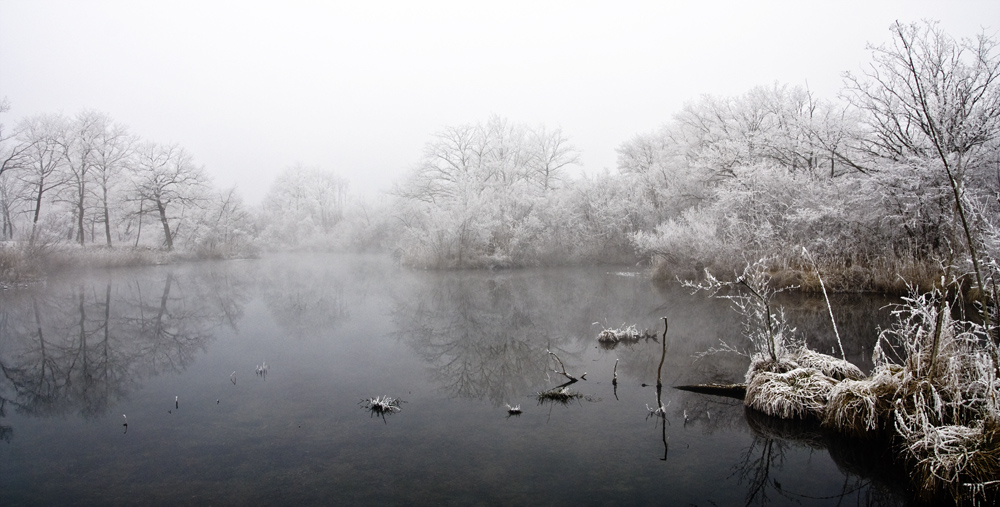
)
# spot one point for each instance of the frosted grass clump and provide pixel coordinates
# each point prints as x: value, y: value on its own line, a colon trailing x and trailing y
x: 659, y: 411
x: 852, y: 407
x: 559, y: 394
x: 623, y: 334
x: 762, y: 364
x: 964, y: 459
x: 798, y: 394
x: 944, y: 409
x: 382, y: 405
x: 860, y: 407
x: 838, y: 369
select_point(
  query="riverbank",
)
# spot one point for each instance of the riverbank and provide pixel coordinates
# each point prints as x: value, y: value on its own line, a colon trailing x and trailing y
x: 933, y: 391
x: 22, y: 263
x: 893, y: 277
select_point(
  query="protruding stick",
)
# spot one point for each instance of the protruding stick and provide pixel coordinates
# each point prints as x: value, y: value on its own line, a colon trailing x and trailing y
x: 663, y: 356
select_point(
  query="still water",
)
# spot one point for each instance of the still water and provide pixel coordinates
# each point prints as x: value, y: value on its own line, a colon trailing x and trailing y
x: 173, y: 352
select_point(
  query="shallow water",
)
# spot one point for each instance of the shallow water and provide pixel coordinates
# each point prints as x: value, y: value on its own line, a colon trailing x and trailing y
x: 86, y: 353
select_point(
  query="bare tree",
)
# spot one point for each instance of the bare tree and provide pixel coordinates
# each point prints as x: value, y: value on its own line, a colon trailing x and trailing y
x: 932, y: 98
x: 927, y: 95
x: 112, y: 151
x: 552, y: 155
x: 449, y: 163
x: 498, y: 156
x: 79, y: 142
x: 165, y: 178
x: 302, y: 202
x: 12, y: 149
x: 43, y: 162
x: 9, y: 196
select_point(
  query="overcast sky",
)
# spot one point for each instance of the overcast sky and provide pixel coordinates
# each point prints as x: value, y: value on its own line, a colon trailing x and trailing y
x: 250, y: 87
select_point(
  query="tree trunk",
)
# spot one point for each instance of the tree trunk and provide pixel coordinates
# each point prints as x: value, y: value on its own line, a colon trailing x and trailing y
x: 79, y: 216
x: 138, y: 231
x: 166, y: 226
x: 38, y: 212
x: 107, y: 219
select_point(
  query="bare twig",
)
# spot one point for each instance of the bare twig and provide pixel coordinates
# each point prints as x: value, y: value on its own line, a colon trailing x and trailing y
x: 659, y: 370
x: 561, y: 365
x: 829, y: 308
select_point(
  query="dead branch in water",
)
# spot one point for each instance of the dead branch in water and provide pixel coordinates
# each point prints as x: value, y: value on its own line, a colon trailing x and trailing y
x: 663, y: 356
x: 563, y: 368
x: 737, y: 391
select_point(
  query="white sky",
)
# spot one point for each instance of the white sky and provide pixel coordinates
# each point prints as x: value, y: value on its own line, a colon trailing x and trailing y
x: 359, y: 87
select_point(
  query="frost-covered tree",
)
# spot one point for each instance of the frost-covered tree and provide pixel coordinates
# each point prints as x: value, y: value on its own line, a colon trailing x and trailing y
x: 42, y: 168
x: 62, y: 177
x: 475, y: 197
x: 12, y: 149
x: 12, y: 156
x: 78, y: 141
x: 223, y: 226
x: 929, y: 96
x: 870, y: 187
x: 166, y: 182
x: 552, y: 155
x: 497, y: 155
x: 303, y: 203
x: 724, y: 170
x: 781, y: 125
x: 713, y: 138
x: 112, y: 154
x: 931, y: 108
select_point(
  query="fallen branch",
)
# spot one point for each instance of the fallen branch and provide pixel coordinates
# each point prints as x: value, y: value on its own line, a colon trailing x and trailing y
x: 738, y: 391
x: 563, y: 370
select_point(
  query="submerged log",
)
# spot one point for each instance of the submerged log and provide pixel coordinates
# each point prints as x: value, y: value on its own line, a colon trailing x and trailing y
x: 737, y: 391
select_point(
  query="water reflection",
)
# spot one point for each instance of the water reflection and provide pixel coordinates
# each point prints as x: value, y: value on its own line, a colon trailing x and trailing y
x: 871, y: 477
x: 309, y: 297
x: 83, y: 347
x: 458, y: 347
x: 483, y: 338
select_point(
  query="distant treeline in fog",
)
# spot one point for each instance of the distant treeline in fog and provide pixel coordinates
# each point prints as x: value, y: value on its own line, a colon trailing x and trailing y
x: 865, y: 182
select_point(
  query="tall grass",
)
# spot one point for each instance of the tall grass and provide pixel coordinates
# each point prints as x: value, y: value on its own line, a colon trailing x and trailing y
x: 934, y: 390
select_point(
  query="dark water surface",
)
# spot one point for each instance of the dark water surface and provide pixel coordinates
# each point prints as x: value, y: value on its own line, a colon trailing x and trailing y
x: 83, y: 350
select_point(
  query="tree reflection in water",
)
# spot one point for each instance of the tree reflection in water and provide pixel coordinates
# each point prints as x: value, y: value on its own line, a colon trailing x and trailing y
x: 82, y: 348
x: 485, y: 336
x: 304, y: 298
x: 870, y: 474
x: 481, y: 341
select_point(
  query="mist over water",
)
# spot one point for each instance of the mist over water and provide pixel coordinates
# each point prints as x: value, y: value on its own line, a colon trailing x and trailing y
x: 173, y: 352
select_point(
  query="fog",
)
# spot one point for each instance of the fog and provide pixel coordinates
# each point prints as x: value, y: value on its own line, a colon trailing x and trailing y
x: 250, y: 88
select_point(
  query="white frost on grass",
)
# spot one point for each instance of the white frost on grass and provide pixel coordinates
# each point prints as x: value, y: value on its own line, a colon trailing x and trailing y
x: 623, y: 334
x: 796, y: 394
x: 382, y: 405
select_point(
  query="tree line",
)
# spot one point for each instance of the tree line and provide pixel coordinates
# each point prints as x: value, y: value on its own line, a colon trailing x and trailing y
x: 899, y: 177
x: 867, y: 183
x: 887, y: 184
x: 89, y: 179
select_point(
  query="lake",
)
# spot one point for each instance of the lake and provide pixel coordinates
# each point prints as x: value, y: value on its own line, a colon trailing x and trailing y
x: 141, y: 387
